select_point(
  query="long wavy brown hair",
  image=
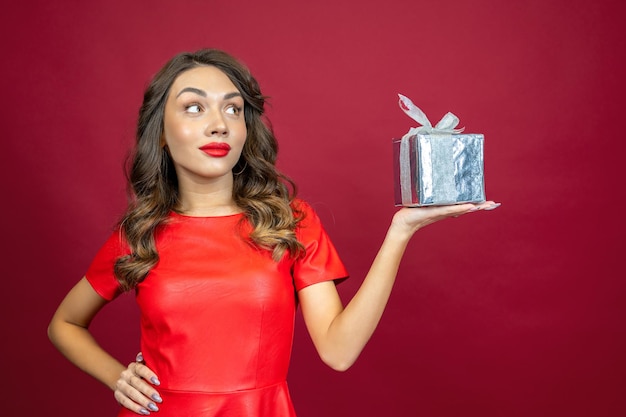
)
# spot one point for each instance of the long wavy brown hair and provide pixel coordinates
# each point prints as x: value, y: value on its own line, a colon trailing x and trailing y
x: 263, y: 194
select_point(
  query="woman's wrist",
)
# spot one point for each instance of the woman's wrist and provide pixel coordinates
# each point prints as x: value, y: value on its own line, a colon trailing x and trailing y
x: 401, y: 232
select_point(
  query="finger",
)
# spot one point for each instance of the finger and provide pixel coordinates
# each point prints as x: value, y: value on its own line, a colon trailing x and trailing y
x: 130, y: 384
x: 492, y: 206
x: 144, y: 372
x: 133, y: 381
x: 487, y: 205
x: 471, y: 208
x: 139, y: 406
x: 135, y: 388
x: 456, y: 210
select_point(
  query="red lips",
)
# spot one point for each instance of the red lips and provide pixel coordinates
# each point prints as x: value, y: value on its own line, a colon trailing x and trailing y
x: 216, y: 149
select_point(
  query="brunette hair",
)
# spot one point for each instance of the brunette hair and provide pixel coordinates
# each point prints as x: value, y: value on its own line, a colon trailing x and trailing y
x: 265, y: 195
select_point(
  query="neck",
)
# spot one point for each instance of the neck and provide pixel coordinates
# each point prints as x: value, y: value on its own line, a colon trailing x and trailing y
x: 207, y: 199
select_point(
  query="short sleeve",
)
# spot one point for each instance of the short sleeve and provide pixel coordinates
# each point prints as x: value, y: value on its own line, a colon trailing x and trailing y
x: 100, y: 273
x: 320, y: 262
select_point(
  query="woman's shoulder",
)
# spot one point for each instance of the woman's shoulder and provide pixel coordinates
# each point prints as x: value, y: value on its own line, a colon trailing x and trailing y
x: 299, y: 205
x: 306, y: 213
x: 302, y: 209
x: 116, y: 243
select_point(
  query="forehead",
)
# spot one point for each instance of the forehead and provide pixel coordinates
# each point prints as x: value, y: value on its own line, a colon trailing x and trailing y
x: 207, y: 78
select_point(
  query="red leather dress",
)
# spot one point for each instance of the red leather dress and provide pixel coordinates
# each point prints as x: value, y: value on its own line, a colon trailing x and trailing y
x: 217, y: 313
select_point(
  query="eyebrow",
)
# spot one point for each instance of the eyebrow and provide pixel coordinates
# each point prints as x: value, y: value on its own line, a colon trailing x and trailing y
x: 203, y: 93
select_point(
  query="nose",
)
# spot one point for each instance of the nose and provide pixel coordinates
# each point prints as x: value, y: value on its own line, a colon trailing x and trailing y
x: 216, y: 125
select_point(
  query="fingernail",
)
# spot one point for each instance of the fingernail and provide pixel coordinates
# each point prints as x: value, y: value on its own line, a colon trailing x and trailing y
x: 153, y: 407
x: 157, y: 398
x: 493, y: 206
x: 144, y: 412
x: 155, y: 381
x: 139, y: 357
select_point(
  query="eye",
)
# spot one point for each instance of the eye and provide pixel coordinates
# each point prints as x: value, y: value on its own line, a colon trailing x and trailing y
x: 193, y: 108
x: 234, y: 110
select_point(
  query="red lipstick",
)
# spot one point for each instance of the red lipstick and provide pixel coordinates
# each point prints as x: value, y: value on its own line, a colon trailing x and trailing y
x: 216, y: 149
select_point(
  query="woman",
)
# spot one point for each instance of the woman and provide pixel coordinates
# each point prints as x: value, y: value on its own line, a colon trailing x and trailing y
x: 215, y: 244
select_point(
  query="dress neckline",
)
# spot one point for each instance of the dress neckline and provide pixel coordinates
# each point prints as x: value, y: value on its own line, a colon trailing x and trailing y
x: 186, y: 216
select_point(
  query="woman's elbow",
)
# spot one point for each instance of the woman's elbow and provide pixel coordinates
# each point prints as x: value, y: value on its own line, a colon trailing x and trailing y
x: 339, y: 363
x: 57, y: 330
x: 52, y: 331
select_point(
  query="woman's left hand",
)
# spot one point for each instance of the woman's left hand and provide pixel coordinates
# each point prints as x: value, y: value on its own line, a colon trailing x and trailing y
x: 135, y: 388
x: 410, y: 219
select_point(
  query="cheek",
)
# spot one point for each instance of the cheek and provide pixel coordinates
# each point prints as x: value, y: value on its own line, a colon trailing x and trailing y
x: 177, y: 133
x: 243, y: 134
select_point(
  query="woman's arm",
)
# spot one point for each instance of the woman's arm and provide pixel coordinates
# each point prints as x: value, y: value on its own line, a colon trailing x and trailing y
x: 340, y: 334
x: 68, y: 331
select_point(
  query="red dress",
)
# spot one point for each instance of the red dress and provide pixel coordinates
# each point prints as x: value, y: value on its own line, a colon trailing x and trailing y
x: 217, y: 313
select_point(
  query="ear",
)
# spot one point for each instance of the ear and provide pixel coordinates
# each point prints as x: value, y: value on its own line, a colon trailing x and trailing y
x: 163, y: 143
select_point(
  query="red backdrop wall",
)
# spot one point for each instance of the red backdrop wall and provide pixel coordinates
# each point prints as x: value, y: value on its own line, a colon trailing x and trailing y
x: 517, y: 312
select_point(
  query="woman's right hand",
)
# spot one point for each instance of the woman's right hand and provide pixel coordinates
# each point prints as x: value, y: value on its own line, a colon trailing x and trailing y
x: 135, y: 388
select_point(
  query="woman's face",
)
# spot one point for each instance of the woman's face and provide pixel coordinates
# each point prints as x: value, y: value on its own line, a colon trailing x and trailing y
x: 204, y: 126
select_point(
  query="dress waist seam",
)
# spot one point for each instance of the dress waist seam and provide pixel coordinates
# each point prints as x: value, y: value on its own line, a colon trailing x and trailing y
x: 234, y: 392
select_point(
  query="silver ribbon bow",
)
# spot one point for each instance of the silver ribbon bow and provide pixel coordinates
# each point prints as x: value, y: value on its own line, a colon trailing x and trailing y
x: 446, y: 125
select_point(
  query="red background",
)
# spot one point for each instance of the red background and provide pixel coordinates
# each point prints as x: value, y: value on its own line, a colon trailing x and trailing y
x: 517, y: 312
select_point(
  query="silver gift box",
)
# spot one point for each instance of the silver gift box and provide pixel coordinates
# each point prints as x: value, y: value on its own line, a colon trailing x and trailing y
x: 436, y: 169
